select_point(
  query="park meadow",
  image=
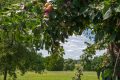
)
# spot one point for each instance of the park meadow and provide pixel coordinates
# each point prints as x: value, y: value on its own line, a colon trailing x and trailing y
x: 55, y: 75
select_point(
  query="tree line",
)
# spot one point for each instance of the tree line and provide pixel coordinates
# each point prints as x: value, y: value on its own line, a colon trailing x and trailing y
x: 58, y: 63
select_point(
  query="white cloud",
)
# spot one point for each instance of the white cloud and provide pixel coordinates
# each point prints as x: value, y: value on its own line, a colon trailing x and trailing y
x: 74, y: 46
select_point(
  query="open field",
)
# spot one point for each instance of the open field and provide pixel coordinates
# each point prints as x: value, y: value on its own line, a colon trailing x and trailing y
x: 54, y: 75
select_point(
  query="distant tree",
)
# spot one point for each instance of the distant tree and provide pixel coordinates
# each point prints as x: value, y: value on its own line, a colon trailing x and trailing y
x: 69, y: 64
x: 38, y: 63
x: 54, y: 62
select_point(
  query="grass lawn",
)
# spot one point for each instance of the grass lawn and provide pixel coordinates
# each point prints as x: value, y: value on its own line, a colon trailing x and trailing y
x: 54, y: 75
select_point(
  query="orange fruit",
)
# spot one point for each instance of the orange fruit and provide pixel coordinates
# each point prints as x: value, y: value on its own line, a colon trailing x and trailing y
x: 47, y: 4
x: 49, y: 8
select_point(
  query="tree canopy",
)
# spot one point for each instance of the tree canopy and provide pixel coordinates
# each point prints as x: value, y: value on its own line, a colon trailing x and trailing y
x: 22, y: 22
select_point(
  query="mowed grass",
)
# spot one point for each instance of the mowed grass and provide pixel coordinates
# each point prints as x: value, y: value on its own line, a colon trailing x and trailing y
x: 55, y: 75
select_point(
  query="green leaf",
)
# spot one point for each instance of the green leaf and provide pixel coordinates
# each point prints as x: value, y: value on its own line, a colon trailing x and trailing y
x: 108, y: 14
x: 117, y: 9
x: 112, y: 37
x: 76, y: 3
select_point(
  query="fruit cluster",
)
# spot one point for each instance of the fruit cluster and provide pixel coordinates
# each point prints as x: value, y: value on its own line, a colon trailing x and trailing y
x: 47, y: 8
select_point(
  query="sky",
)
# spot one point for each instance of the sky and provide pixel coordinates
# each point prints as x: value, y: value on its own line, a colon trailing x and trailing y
x: 75, y: 46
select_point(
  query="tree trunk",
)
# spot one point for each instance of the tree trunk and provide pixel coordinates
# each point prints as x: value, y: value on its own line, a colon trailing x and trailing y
x: 5, y: 74
x: 114, y: 50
